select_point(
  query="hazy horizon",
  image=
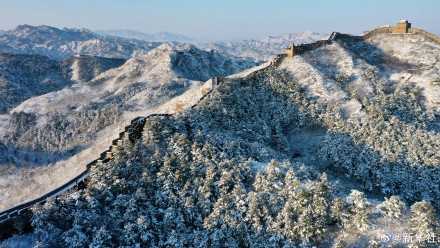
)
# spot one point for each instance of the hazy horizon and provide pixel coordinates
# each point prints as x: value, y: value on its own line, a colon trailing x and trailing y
x: 225, y: 20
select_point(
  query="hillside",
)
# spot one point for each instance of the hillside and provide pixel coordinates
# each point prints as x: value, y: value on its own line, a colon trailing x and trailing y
x: 61, y: 131
x: 299, y: 154
x: 61, y: 43
x: 264, y: 49
x: 84, y: 68
x: 23, y: 76
x: 165, y: 68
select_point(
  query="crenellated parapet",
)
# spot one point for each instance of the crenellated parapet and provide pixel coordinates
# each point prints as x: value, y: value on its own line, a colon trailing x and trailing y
x: 426, y: 34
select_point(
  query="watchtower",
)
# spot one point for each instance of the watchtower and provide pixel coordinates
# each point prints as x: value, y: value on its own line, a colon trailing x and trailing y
x: 402, y: 27
x: 290, y: 52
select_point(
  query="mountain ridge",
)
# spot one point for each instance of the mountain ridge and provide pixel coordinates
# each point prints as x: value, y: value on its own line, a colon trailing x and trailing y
x: 264, y: 49
x: 60, y: 43
x: 132, y: 34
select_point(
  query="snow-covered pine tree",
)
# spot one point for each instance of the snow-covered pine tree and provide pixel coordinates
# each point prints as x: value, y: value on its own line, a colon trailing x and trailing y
x: 358, y: 215
x: 392, y: 207
x: 423, y: 222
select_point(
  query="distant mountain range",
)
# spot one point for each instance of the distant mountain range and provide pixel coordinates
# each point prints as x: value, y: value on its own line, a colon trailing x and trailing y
x: 265, y: 48
x: 130, y: 34
x: 60, y: 43
x: 2, y: 32
x: 297, y: 38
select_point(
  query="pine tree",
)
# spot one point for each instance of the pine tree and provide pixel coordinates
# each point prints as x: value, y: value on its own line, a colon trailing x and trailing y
x: 338, y: 211
x: 102, y: 238
x: 358, y: 217
x: 423, y: 222
x: 392, y: 207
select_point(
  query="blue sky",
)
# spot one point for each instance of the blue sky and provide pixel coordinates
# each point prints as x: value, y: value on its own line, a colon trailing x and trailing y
x: 222, y: 19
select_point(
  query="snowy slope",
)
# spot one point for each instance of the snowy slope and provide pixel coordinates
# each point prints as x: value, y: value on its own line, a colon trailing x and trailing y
x: 335, y: 72
x: 60, y: 43
x: 83, y: 68
x: 163, y: 80
x: 161, y: 69
x: 25, y: 76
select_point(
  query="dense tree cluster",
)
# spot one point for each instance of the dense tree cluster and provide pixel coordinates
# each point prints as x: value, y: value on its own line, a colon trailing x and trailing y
x: 59, y: 132
x: 31, y: 139
x: 393, y: 147
x: 193, y: 181
x: 23, y: 76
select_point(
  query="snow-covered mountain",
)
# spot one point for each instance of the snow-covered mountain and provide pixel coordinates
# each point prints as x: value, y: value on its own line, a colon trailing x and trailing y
x: 59, y: 132
x: 2, y: 32
x: 336, y: 147
x: 263, y: 49
x: 60, y: 43
x: 297, y: 38
x: 23, y: 76
x: 130, y: 34
x: 165, y: 66
x: 337, y: 72
x: 83, y: 68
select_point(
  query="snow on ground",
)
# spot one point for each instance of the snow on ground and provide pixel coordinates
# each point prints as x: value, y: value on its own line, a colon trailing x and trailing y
x: 152, y: 83
x: 312, y: 80
x: 48, y: 178
x: 333, y: 74
x: 3, y: 121
x: 59, y: 101
x: 153, y: 67
x: 420, y: 60
x: 75, y: 70
x: 250, y: 71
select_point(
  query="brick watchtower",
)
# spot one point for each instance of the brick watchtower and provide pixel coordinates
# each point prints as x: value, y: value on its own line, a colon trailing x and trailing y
x: 402, y: 27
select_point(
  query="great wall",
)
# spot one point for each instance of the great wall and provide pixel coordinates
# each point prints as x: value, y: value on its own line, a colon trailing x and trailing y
x: 133, y: 132
x: 402, y: 27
